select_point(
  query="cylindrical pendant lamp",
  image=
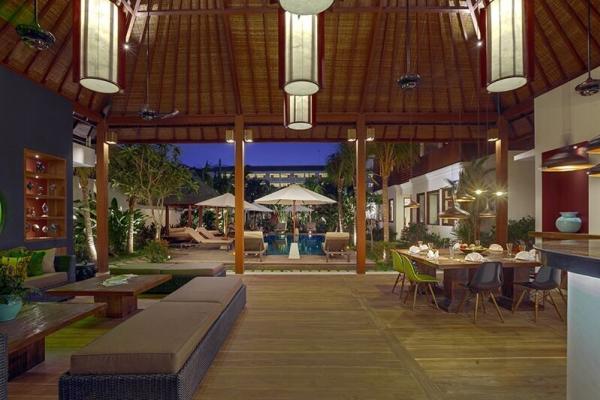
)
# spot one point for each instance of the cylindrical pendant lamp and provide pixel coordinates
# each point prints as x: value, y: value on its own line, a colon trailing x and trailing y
x: 98, y: 45
x: 306, y: 7
x: 301, y: 54
x: 298, y: 112
x: 508, y: 42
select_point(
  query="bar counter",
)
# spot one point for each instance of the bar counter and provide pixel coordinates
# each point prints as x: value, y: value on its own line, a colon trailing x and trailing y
x: 581, y: 258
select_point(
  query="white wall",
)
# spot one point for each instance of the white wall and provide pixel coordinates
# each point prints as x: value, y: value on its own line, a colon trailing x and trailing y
x: 520, y: 190
x: 561, y: 111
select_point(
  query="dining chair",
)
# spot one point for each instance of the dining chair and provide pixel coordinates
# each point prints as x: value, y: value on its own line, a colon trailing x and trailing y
x: 416, y: 279
x: 546, y: 280
x: 487, y: 279
x: 398, y: 265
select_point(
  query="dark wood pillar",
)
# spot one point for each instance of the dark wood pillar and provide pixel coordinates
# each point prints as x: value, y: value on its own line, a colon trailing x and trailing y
x: 190, y: 216
x: 102, y: 156
x: 361, y: 195
x: 239, y: 194
x: 502, y: 182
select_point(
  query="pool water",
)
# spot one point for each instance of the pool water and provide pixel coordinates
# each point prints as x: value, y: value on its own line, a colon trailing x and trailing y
x: 307, y: 244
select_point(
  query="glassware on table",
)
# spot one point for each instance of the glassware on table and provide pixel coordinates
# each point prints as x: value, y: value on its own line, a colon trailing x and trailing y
x: 420, y: 243
x: 509, y: 248
x: 478, y: 243
x: 430, y: 245
x: 451, y: 250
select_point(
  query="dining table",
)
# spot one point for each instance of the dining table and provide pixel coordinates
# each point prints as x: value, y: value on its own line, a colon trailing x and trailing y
x: 457, y: 271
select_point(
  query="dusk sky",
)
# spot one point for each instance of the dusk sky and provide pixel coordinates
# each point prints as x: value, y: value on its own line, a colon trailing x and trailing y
x: 197, y: 155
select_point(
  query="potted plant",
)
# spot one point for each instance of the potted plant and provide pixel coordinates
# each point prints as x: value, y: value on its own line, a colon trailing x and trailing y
x: 12, y: 292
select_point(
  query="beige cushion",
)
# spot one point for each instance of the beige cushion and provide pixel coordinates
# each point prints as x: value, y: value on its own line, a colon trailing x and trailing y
x: 48, y: 261
x: 158, y: 340
x: 211, y: 290
x: 208, y: 269
x: 46, y: 281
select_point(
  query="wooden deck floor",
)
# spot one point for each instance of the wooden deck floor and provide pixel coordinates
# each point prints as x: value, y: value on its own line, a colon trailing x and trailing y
x: 346, y: 337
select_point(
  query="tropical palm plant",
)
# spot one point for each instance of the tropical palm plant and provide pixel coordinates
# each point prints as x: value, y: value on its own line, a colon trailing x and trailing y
x: 337, y: 169
x: 389, y: 157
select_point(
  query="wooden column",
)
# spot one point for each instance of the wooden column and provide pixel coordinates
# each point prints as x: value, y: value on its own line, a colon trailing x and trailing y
x: 502, y: 182
x: 167, y: 220
x: 361, y: 195
x: 239, y: 194
x: 190, y: 216
x: 102, y: 155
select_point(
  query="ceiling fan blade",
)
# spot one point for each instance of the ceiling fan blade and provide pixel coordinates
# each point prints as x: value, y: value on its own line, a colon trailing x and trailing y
x: 170, y: 115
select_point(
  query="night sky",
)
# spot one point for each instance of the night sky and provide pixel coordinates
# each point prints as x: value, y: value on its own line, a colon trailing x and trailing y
x: 197, y: 155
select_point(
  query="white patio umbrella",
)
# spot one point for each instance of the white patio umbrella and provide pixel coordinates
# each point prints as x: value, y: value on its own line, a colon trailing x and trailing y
x: 295, y: 195
x: 225, y: 201
x: 260, y: 208
x: 300, y: 209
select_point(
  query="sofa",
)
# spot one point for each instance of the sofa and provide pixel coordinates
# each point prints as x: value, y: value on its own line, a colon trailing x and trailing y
x: 180, y: 273
x: 162, y: 352
x: 56, y: 270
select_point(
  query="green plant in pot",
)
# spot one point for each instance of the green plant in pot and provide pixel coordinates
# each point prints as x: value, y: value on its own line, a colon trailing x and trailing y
x: 12, y: 291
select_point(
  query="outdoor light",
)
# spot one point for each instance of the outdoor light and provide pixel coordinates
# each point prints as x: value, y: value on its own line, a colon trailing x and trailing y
x: 248, y: 138
x: 567, y: 160
x: 478, y: 192
x: 111, y: 137
x: 99, y: 60
x: 454, y: 212
x: 500, y: 193
x: 352, y: 135
x: 465, y: 198
x: 411, y: 204
x: 302, y: 56
x: 304, y: 7
x: 370, y: 134
x: 229, y: 136
x: 493, y: 135
x: 298, y: 112
x: 507, y: 32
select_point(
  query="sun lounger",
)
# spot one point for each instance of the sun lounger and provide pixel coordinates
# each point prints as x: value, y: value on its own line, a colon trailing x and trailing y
x: 254, y: 244
x: 191, y: 235
x: 336, y: 244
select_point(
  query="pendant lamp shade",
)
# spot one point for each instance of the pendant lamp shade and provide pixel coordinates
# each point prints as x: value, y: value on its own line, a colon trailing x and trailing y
x: 454, y: 212
x: 594, y: 172
x: 301, y: 54
x: 507, y: 36
x: 98, y: 45
x: 298, y: 112
x: 306, y: 7
x: 567, y: 160
x: 487, y: 211
x: 411, y: 204
x: 594, y: 145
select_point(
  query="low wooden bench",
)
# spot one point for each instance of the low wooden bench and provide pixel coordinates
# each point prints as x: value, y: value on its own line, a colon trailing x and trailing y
x: 162, y: 352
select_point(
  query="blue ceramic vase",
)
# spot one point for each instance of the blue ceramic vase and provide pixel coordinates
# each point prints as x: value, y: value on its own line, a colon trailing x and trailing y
x: 568, y: 222
x: 11, y: 309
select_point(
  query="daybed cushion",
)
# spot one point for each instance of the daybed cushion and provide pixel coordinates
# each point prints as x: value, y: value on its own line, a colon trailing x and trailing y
x: 215, y: 290
x: 208, y: 269
x: 48, y: 262
x: 47, y: 280
x: 158, y: 340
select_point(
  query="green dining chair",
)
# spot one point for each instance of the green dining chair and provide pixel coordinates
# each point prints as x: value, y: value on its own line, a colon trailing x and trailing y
x: 416, y: 279
x: 398, y: 265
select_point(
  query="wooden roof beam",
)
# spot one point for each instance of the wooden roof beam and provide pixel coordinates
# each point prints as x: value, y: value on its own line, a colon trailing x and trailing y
x: 376, y: 118
x: 338, y: 9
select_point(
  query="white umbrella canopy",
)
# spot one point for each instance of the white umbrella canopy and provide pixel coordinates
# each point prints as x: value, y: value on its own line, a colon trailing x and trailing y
x: 300, y: 209
x: 295, y: 195
x: 258, y: 208
x: 226, y: 200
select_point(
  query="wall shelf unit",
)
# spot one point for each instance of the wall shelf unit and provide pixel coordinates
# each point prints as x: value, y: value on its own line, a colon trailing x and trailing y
x: 45, y: 183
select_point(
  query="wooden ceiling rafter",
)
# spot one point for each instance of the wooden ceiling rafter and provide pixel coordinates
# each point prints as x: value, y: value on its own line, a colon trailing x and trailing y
x: 251, y: 64
x: 372, y: 52
x: 562, y: 34
x: 232, y: 61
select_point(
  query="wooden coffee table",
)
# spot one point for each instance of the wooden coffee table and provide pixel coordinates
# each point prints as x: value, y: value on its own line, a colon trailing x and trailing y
x: 27, y: 333
x: 121, y: 300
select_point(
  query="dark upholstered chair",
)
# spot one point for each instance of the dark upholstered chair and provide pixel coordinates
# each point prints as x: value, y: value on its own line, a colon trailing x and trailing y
x: 546, y: 280
x: 487, y: 279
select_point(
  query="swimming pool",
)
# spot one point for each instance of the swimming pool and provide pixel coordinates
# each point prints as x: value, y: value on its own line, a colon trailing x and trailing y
x: 308, y: 244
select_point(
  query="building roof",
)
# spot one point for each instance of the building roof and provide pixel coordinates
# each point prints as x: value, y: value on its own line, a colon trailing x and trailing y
x: 273, y: 168
x: 214, y: 61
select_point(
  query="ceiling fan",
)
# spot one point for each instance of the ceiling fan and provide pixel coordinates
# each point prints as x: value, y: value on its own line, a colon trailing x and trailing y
x: 590, y: 86
x: 409, y: 80
x: 33, y: 34
x: 146, y: 112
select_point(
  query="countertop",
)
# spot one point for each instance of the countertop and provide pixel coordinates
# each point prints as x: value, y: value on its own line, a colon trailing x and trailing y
x: 578, y: 256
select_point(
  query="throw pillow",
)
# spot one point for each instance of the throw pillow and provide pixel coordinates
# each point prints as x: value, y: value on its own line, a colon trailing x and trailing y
x: 48, y: 263
x: 35, y: 266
